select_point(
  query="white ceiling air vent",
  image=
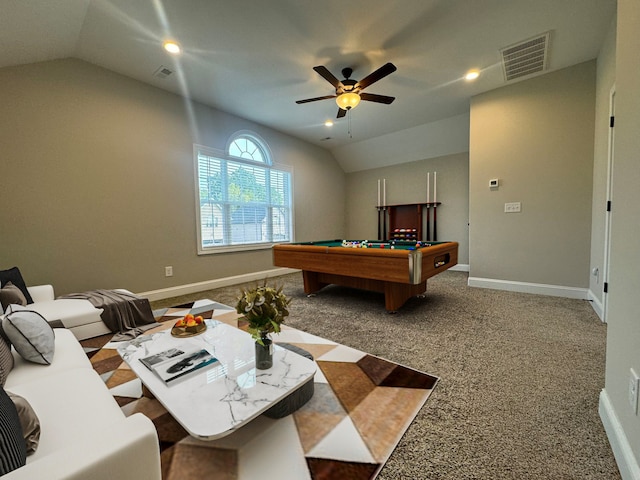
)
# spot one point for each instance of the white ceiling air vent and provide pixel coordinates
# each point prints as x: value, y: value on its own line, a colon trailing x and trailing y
x: 525, y: 58
x: 162, y: 72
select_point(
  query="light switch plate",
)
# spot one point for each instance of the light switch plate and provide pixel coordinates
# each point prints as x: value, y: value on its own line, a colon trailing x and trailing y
x: 512, y: 207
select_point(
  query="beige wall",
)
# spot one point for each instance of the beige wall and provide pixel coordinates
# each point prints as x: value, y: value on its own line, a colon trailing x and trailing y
x: 605, y: 80
x: 407, y: 183
x: 98, y: 186
x: 536, y: 137
x: 623, y: 330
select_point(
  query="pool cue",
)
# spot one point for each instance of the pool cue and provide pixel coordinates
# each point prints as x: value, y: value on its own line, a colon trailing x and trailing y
x: 435, y: 206
x: 378, y: 209
x: 435, y: 232
x: 384, y: 209
x: 384, y: 223
x: 379, y: 223
x: 428, y: 206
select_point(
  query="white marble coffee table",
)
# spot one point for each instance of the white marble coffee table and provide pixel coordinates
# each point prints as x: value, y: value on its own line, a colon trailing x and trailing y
x: 220, y: 399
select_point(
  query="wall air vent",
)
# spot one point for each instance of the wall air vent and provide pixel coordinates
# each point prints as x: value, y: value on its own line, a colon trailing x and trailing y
x: 162, y: 72
x: 525, y: 58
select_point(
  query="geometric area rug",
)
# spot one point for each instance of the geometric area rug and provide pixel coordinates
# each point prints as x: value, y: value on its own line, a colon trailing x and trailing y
x: 361, y: 407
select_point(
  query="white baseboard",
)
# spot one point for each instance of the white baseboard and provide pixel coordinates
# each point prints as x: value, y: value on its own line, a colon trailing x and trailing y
x: 627, y: 463
x: 597, y: 305
x: 211, y: 284
x: 178, y: 290
x: 525, y: 287
x: 460, y: 267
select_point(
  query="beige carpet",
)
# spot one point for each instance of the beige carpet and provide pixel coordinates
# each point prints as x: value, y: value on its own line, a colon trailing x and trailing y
x: 519, y: 375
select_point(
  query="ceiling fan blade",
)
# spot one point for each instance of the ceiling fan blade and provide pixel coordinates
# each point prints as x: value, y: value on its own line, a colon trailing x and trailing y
x: 341, y: 113
x: 307, y: 100
x: 328, y: 76
x: 372, y: 97
x: 380, y: 73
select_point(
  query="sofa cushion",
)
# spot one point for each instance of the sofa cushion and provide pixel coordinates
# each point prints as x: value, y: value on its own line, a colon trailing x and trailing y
x: 28, y: 421
x: 72, y: 312
x: 13, y: 451
x: 41, y: 293
x: 69, y: 355
x: 80, y: 408
x: 6, y: 361
x: 30, y: 335
x: 9, y: 294
x: 14, y: 276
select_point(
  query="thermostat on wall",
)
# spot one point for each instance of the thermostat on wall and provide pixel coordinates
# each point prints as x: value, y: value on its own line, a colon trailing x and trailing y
x: 493, y: 183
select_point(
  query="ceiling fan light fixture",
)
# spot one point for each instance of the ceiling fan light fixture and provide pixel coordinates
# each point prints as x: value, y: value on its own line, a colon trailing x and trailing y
x: 348, y: 100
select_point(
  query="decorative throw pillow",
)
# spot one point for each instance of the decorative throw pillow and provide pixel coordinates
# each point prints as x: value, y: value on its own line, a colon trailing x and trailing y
x: 30, y: 335
x: 29, y: 422
x: 6, y: 361
x: 14, y: 276
x: 9, y: 294
x: 13, y: 450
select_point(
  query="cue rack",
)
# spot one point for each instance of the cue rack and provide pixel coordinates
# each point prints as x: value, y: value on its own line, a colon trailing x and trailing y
x: 406, y: 220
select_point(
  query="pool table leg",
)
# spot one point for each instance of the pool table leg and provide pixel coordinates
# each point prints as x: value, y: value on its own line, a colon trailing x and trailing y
x: 396, y: 294
x: 311, y: 282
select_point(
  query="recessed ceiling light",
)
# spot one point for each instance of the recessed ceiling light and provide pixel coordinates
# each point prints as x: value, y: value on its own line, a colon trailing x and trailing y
x: 472, y: 75
x: 172, y: 47
x: 328, y: 123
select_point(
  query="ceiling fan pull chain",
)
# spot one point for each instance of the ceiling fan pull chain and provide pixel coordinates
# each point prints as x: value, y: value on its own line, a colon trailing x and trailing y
x: 349, y: 122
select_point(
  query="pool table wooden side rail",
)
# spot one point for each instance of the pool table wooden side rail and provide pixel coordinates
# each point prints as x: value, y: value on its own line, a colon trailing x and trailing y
x: 399, y: 274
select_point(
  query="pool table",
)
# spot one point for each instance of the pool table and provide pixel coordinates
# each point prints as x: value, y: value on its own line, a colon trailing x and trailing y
x: 399, y: 269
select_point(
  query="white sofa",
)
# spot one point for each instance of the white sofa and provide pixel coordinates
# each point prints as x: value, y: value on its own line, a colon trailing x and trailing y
x: 84, y: 433
x: 79, y: 316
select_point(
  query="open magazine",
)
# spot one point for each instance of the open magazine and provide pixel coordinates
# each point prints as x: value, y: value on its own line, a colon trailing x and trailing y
x: 176, y: 363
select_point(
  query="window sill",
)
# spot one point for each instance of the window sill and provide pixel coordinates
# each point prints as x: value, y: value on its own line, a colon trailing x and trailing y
x: 236, y: 248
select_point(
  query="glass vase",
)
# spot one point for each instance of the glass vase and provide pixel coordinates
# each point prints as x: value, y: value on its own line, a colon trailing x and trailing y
x: 264, y: 353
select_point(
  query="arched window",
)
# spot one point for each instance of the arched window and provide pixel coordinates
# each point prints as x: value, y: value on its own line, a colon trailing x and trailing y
x: 244, y: 201
x: 247, y: 147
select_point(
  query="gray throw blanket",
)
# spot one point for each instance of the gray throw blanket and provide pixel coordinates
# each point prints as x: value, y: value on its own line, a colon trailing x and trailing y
x: 125, y: 314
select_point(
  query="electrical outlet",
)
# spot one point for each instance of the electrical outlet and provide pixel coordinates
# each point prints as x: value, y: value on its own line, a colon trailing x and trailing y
x: 634, y: 386
x: 512, y: 207
x: 168, y: 271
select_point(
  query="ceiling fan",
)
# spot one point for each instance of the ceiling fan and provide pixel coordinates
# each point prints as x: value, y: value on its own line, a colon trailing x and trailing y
x: 349, y: 91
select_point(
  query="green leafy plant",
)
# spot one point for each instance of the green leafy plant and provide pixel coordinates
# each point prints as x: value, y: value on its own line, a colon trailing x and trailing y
x: 264, y: 308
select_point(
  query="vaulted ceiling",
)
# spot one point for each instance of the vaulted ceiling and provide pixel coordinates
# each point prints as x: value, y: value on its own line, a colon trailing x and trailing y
x: 254, y: 58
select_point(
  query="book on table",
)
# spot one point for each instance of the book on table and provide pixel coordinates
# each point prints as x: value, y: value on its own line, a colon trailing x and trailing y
x: 176, y: 363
